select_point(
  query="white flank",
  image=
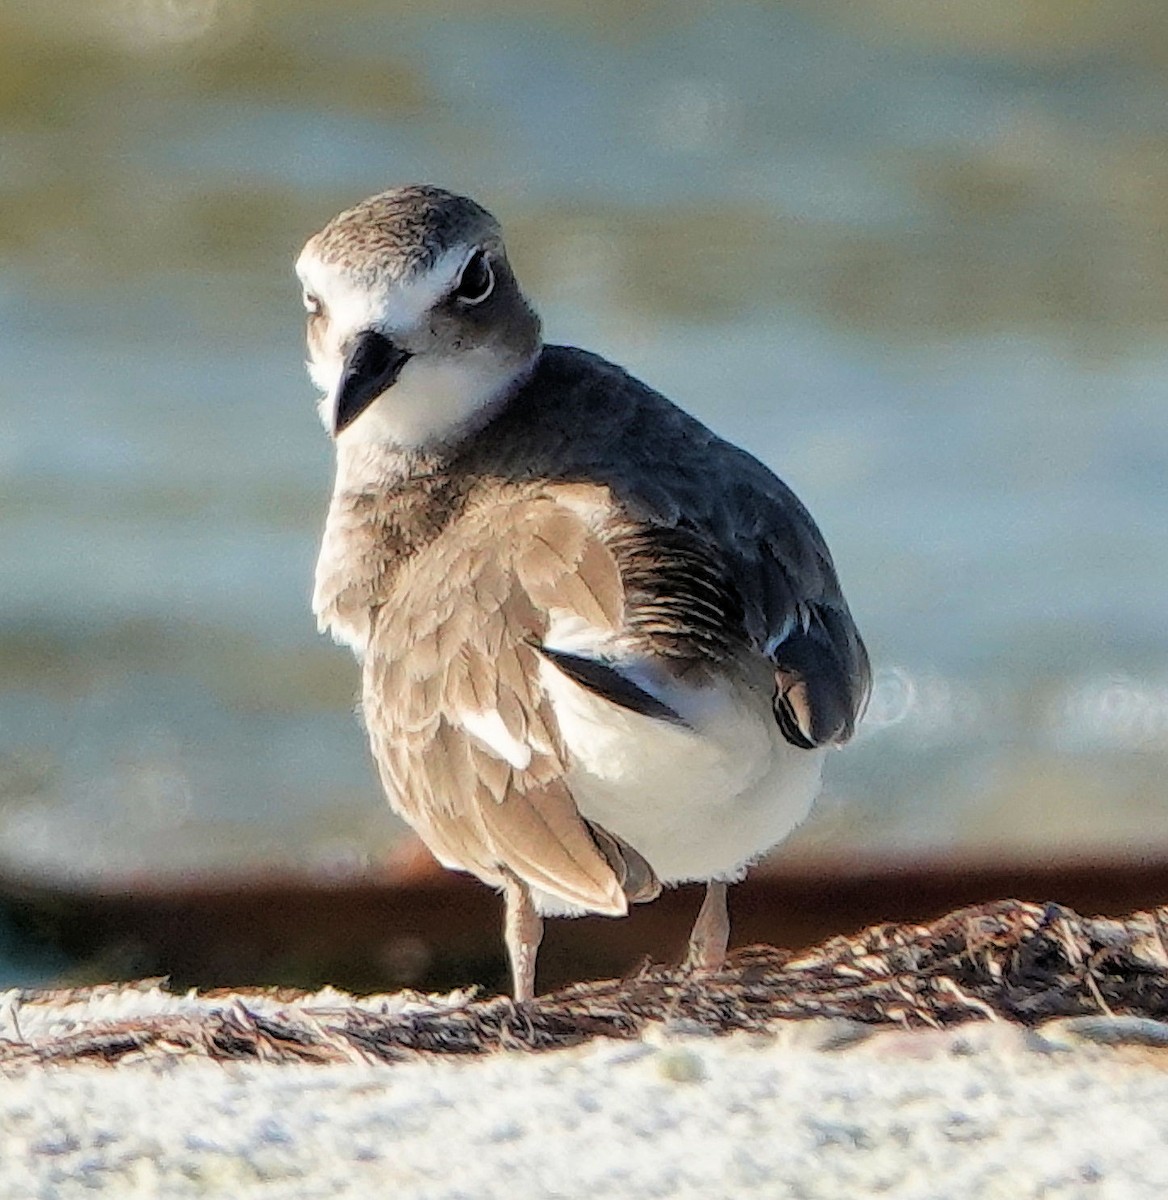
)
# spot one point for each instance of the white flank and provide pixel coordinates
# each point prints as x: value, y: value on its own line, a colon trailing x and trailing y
x: 699, y: 802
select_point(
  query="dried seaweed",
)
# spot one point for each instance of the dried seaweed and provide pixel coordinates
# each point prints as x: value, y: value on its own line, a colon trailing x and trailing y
x: 1008, y: 960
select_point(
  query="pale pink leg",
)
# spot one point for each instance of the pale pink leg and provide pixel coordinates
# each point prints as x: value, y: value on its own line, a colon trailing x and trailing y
x: 523, y: 931
x: 711, y: 931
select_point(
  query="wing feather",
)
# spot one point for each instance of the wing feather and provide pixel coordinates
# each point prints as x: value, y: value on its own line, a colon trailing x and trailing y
x: 753, y: 570
x: 443, y: 680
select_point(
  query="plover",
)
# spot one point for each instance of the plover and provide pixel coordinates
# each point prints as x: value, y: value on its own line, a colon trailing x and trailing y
x: 602, y: 649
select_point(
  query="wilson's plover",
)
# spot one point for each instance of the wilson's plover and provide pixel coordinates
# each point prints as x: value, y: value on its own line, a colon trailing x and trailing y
x: 602, y: 649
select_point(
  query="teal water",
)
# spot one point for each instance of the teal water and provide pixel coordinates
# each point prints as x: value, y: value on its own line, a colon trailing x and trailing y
x: 918, y: 270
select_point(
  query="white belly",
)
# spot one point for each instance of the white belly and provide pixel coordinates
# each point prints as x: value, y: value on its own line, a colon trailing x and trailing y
x: 699, y: 802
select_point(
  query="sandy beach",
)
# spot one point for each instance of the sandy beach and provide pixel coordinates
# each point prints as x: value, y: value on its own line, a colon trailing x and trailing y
x: 1002, y: 1052
x: 816, y: 1109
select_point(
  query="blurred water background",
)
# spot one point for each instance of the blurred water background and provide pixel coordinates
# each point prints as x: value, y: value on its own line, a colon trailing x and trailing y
x: 912, y: 255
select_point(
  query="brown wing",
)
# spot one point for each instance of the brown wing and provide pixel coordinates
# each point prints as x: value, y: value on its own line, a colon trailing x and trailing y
x: 463, y: 734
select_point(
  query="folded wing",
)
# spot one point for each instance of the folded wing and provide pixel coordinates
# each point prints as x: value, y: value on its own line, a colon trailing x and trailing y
x: 461, y: 729
x: 749, y: 565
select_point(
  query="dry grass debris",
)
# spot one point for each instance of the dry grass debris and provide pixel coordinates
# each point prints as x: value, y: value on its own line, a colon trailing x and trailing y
x: 1012, y: 961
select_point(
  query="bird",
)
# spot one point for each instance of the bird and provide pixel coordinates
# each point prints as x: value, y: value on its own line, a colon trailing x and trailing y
x: 602, y: 650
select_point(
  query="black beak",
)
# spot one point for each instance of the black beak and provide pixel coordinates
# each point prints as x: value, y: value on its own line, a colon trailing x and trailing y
x: 371, y: 367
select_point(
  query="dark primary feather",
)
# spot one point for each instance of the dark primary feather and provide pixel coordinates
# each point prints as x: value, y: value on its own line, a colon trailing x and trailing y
x: 679, y: 596
x: 747, y: 565
x: 609, y: 683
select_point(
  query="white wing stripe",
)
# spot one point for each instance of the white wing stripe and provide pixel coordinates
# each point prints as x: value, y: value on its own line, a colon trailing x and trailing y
x: 489, y: 729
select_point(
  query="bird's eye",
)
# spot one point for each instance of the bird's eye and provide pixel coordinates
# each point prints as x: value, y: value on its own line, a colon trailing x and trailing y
x: 478, y: 280
x: 313, y: 304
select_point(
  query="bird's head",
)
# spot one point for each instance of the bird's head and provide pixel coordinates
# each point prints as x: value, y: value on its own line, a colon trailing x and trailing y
x: 417, y: 328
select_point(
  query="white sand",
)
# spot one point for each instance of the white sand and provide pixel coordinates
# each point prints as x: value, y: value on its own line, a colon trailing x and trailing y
x: 813, y: 1111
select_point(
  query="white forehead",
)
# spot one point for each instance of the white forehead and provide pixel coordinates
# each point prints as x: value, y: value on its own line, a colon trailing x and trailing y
x: 386, y: 304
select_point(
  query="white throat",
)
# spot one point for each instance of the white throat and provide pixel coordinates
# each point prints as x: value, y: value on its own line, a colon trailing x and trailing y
x: 438, y: 400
